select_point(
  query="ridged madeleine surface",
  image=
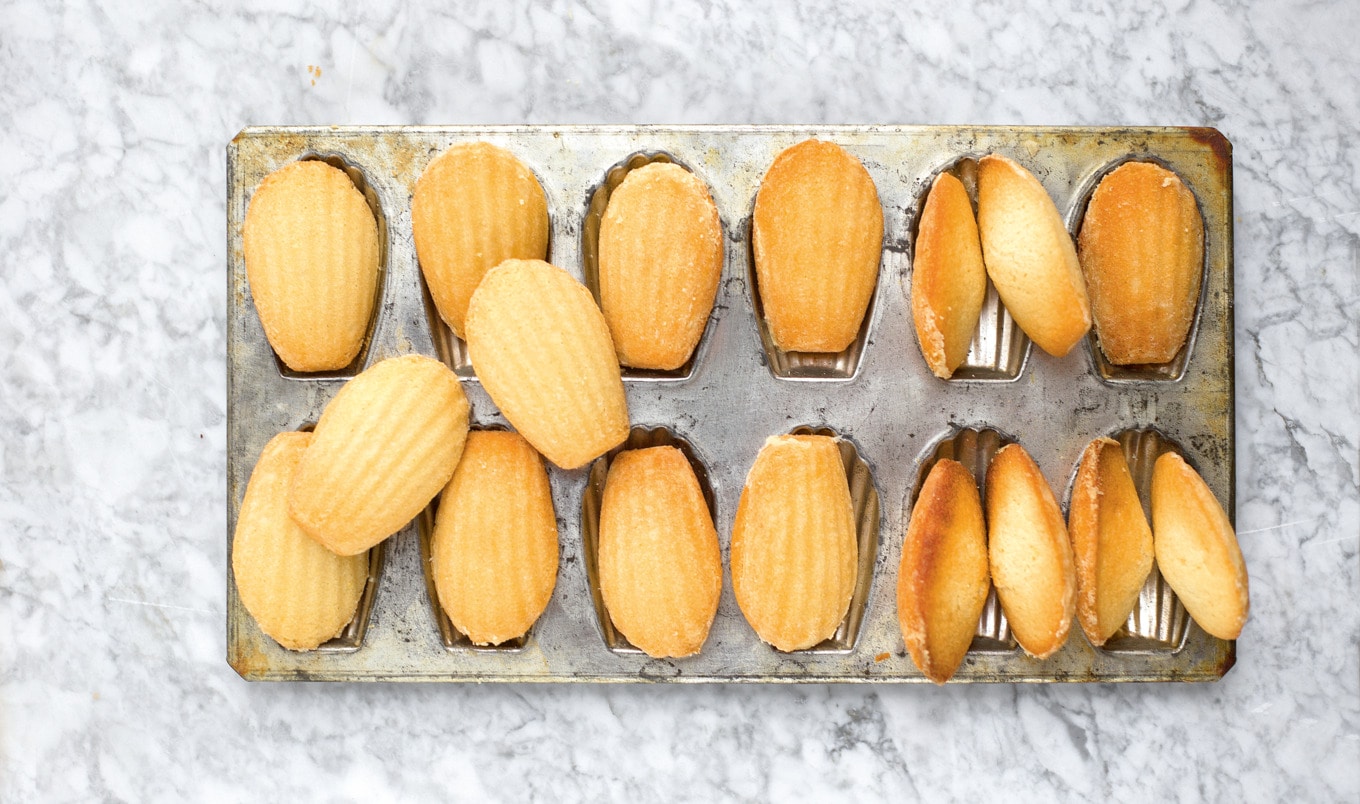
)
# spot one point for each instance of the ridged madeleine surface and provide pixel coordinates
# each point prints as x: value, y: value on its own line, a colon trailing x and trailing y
x: 1030, y: 556
x: 943, y: 580
x: 474, y: 207
x: 660, y: 257
x: 494, y: 549
x: 659, y: 561
x: 794, y: 550
x: 1197, y: 549
x: 311, y: 252
x: 1142, y: 250
x: 300, y: 593
x: 1111, y: 540
x: 817, y: 238
x: 1030, y: 257
x: 385, y: 445
x: 948, y: 280
x: 542, y: 350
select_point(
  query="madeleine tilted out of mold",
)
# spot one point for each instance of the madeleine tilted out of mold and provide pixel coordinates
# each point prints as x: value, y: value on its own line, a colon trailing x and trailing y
x: 311, y: 254
x: 660, y: 258
x: 1030, y: 256
x: 494, y: 550
x: 794, y: 551
x: 1142, y: 250
x: 948, y: 279
x: 475, y: 206
x: 299, y: 593
x: 817, y: 238
x: 659, y: 562
x: 1111, y: 540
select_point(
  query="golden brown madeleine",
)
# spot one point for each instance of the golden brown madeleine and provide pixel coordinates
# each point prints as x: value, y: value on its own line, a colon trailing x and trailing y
x: 474, y: 207
x: 1142, y: 250
x: 661, y: 254
x: 1030, y: 257
x: 311, y: 251
x: 942, y: 582
x: 494, y: 549
x: 1111, y: 540
x: 818, y: 238
x: 300, y: 593
x: 1196, y: 548
x: 1031, y: 558
x: 660, y: 565
x: 385, y: 445
x: 948, y: 280
x: 541, y: 349
x: 794, y: 547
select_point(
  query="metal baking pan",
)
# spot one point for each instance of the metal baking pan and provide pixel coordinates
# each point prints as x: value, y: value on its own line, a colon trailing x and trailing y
x: 895, y: 417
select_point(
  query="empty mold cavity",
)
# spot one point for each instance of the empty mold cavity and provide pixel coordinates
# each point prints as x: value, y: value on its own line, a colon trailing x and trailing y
x: 453, y: 639
x: 590, y: 257
x: 864, y: 501
x: 1144, y: 372
x: 999, y: 347
x: 638, y: 438
x: 1159, y: 621
x: 974, y: 448
x: 356, y: 175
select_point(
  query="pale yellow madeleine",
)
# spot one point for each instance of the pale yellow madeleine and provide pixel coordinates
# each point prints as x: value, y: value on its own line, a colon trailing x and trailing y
x: 794, y: 551
x: 1111, y: 540
x: 659, y: 561
x: 660, y: 258
x: 385, y: 445
x: 541, y: 348
x: 475, y: 206
x: 1197, y: 549
x: 817, y: 240
x: 300, y: 593
x: 311, y: 253
x: 942, y: 582
x: 494, y: 548
x: 1030, y: 257
x: 948, y: 280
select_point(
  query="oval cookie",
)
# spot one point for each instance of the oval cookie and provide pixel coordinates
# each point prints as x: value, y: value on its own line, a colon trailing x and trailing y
x: 300, y: 593
x: 661, y: 254
x: 660, y: 566
x: 475, y: 206
x: 311, y: 253
x: 948, y: 280
x: 794, y: 547
x: 817, y: 239
x: 383, y: 448
x: 541, y: 348
x: 494, y: 549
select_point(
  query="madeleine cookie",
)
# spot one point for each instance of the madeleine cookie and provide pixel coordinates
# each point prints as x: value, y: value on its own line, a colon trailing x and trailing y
x: 311, y: 252
x: 942, y: 582
x: 1111, y: 540
x: 1030, y: 257
x: 494, y: 549
x: 948, y: 280
x: 385, y: 445
x: 474, y: 207
x: 1196, y: 548
x: 660, y: 257
x: 794, y: 550
x: 660, y: 566
x: 1030, y: 556
x: 818, y: 238
x: 300, y: 593
x: 542, y: 350
x: 1142, y: 250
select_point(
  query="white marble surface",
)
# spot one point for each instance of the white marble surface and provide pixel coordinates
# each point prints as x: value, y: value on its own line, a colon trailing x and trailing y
x: 113, y: 683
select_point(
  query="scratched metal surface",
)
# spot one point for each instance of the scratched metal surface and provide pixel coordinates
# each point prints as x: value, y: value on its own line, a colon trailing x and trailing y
x: 878, y: 395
